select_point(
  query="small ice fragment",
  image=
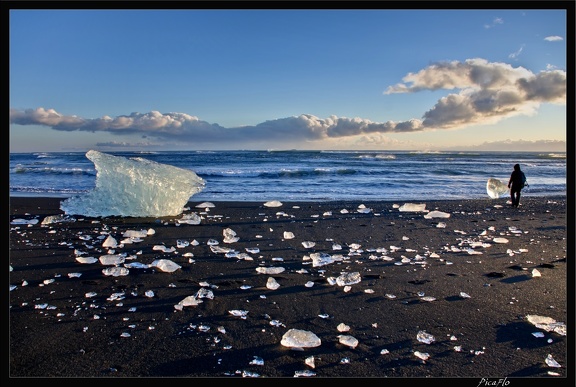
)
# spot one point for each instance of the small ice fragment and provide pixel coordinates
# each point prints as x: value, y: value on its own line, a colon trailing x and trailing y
x: 343, y: 327
x: 111, y: 259
x: 230, y: 236
x: 321, y: 259
x: 86, y: 259
x: 164, y: 248
x: 384, y: 352
x: 298, y: 338
x: 436, y: 214
x: 239, y: 313
x: 257, y: 361
x: 270, y: 270
x: 422, y: 355
x: 165, y: 265
x: 348, y: 279
x: 205, y: 205
x: 425, y: 337
x: 428, y: 298
x: 192, y: 218
x: 411, y: 207
x: 308, y: 244
x: 149, y: 293
x: 309, y: 284
x: 348, y: 340
x: 135, y: 234
x: 537, y: 334
x: 309, y: 361
x: 500, y: 240
x: 304, y: 373
x: 464, y: 295
x: 110, y: 242
x: 536, y: 273
x: 547, y: 323
x: 551, y: 362
x: 288, y: 235
x: 188, y: 301
x: 115, y: 271
x: 272, y: 283
x: 273, y: 203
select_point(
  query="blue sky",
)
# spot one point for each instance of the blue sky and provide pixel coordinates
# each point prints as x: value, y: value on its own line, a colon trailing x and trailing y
x: 382, y: 79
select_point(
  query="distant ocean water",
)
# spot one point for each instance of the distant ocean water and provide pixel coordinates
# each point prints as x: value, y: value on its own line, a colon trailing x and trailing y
x: 308, y: 175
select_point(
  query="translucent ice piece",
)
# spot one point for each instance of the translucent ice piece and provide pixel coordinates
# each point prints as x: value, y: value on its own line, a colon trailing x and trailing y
x: 551, y: 362
x: 495, y: 188
x: 134, y: 187
x: 111, y: 259
x: 270, y: 270
x: 348, y: 279
x: 425, y: 337
x: 436, y: 214
x: 272, y: 283
x: 300, y: 339
x: 115, y: 271
x: 348, y: 340
x: 165, y: 265
x: 411, y: 207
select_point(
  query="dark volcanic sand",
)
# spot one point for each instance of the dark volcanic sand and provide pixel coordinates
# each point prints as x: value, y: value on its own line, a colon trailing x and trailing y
x: 58, y: 330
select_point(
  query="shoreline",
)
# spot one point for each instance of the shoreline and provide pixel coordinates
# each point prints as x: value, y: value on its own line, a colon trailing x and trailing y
x: 56, y: 330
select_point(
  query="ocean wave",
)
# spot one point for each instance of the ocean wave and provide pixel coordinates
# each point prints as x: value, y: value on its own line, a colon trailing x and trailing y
x: 21, y: 169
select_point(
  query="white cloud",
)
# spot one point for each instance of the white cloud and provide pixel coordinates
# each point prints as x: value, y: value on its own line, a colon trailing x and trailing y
x: 516, y: 54
x: 495, y: 22
x: 485, y: 93
x: 554, y: 38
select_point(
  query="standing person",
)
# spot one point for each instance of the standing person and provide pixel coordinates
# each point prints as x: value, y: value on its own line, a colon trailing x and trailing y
x: 516, y: 183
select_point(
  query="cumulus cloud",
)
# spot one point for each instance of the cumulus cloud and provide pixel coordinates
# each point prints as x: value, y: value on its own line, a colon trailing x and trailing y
x: 488, y: 92
x: 484, y: 93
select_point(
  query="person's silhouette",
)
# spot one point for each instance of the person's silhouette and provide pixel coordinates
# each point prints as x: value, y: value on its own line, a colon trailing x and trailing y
x: 516, y: 183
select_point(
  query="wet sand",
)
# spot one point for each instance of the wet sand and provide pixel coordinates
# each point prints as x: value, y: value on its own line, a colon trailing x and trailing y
x: 468, y: 281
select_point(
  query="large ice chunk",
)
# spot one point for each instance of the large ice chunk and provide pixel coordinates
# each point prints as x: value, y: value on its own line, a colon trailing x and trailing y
x: 495, y: 188
x: 134, y: 187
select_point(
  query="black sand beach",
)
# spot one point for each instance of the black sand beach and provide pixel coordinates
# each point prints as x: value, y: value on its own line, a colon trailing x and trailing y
x: 470, y: 285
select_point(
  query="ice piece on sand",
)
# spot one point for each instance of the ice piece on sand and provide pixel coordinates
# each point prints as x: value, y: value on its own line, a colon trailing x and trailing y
x: 205, y: 205
x: 165, y: 265
x: 348, y: 340
x: 495, y: 188
x: 411, y: 207
x: 547, y: 323
x: 300, y: 339
x: 134, y: 187
x: 348, y: 279
x: 436, y: 214
x: 270, y: 270
x: 86, y: 259
x: 273, y: 203
x: 115, y: 271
